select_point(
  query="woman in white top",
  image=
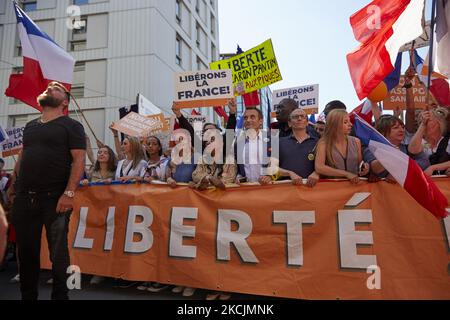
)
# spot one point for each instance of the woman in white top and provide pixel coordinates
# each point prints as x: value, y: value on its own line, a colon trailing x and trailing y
x: 157, y: 163
x: 134, y: 165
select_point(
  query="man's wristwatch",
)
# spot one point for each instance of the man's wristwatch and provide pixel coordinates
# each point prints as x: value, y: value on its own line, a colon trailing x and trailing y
x: 70, y: 194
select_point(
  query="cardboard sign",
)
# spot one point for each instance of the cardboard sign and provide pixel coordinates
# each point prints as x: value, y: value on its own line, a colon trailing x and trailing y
x: 397, y: 97
x: 307, y: 97
x: 206, y: 88
x: 252, y: 70
x: 14, y: 144
x: 138, y: 126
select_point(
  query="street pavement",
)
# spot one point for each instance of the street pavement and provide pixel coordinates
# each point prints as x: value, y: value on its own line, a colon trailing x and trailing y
x: 103, y: 291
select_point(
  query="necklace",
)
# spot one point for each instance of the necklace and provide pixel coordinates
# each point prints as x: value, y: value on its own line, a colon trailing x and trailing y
x: 42, y: 121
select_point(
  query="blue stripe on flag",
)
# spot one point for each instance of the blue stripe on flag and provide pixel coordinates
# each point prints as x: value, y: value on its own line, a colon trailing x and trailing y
x: 29, y: 25
x: 3, y: 135
x: 366, y: 133
x: 393, y: 79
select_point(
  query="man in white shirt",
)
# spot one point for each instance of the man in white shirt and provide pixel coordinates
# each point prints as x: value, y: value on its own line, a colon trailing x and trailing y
x: 251, y: 149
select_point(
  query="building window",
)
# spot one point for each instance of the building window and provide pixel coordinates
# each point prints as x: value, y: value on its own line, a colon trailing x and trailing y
x: 77, y: 91
x: 78, y: 40
x: 213, y: 25
x: 80, y: 2
x: 29, y: 5
x: 213, y: 52
x: 178, y: 10
x: 178, y: 51
x: 78, y: 45
x: 197, y: 32
x: 83, y: 27
x: 18, y: 51
x: 80, y: 66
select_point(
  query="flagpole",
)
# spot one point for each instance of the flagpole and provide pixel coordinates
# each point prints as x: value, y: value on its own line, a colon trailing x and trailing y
x: 430, y: 60
x: 82, y: 114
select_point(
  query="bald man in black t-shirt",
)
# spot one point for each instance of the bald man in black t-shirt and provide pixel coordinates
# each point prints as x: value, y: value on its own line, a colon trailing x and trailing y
x: 48, y: 172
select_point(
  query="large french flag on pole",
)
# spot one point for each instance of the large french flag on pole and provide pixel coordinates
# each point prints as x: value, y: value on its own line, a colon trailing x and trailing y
x: 404, y: 169
x: 43, y: 62
x: 382, y: 28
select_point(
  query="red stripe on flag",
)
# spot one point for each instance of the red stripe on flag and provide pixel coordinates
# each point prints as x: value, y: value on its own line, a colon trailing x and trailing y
x: 359, y: 111
x: 251, y: 99
x: 221, y: 112
x: 363, y: 20
x: 370, y: 65
x: 440, y: 88
x: 27, y: 86
x: 425, y: 191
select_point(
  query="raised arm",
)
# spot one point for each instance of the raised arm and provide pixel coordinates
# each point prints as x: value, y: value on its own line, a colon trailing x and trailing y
x: 410, y: 105
x: 416, y: 145
x: 117, y: 143
x: 232, y: 121
x: 184, y: 123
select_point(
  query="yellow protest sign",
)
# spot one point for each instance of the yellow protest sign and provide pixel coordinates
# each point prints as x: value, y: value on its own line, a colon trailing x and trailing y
x: 252, y: 70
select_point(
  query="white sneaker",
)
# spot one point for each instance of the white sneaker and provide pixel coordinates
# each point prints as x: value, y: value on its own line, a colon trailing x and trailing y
x: 178, y: 289
x: 144, y: 286
x: 97, y: 280
x: 16, y: 279
x: 157, y: 287
x: 224, y: 296
x: 212, y: 295
x: 188, y: 292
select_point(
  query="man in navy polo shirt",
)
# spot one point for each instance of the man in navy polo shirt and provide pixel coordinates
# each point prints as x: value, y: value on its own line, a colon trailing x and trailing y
x: 297, y: 151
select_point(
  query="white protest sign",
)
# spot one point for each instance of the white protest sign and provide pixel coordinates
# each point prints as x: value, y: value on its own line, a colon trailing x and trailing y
x: 14, y: 144
x: 146, y: 107
x: 206, y: 88
x: 307, y: 97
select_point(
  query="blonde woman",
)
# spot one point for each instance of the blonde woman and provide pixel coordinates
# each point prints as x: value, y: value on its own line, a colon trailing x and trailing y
x: 338, y: 154
x: 134, y: 166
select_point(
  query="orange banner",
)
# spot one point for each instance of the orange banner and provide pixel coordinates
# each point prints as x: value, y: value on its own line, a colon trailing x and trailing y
x: 279, y: 240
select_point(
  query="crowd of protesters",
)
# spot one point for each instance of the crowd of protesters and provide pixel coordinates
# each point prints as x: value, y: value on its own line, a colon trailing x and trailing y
x: 307, y: 153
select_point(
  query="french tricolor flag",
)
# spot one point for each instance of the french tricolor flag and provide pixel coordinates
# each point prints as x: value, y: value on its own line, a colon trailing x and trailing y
x: 382, y: 28
x: 404, y: 169
x: 43, y: 62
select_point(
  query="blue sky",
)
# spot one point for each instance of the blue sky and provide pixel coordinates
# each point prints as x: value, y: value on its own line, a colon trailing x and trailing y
x: 311, y: 40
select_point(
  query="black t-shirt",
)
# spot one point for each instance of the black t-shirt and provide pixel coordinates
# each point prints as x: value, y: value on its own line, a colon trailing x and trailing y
x: 46, y: 159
